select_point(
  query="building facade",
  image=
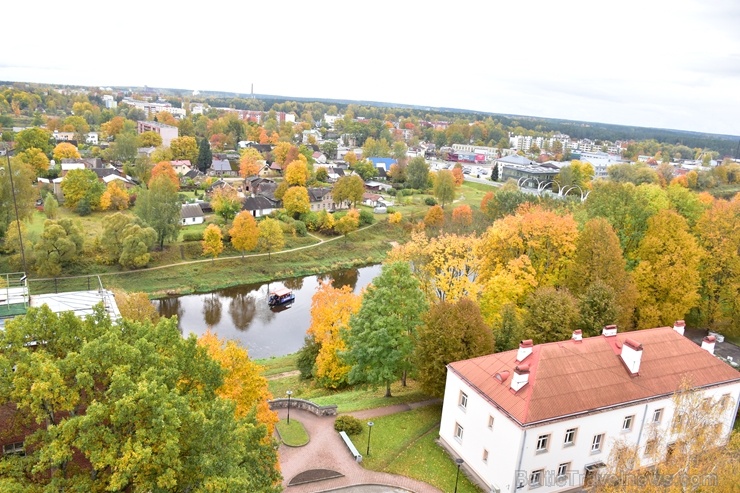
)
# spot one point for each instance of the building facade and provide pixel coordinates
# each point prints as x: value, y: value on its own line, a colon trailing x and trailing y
x: 547, y: 416
x: 167, y: 132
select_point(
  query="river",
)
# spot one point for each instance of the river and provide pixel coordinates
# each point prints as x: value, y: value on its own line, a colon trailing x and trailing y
x: 241, y: 312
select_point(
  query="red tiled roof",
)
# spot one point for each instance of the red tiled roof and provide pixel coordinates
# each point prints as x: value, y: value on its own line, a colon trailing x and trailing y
x: 572, y: 377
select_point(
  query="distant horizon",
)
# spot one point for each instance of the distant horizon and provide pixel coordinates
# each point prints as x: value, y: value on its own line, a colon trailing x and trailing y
x: 419, y: 107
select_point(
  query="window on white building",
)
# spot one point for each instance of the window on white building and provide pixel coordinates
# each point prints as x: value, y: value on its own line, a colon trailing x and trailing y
x: 463, y: 401
x: 657, y: 415
x: 458, y: 432
x: 570, y: 437
x: 563, y: 469
x: 596, y: 443
x: 627, y: 423
x: 490, y: 422
x: 485, y: 456
x: 535, y: 478
x: 542, y: 443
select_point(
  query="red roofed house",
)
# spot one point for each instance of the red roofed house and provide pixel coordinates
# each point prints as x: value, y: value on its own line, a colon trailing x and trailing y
x: 546, y: 416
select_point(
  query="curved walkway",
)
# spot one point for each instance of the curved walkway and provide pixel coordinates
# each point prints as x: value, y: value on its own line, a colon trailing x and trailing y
x: 326, y: 450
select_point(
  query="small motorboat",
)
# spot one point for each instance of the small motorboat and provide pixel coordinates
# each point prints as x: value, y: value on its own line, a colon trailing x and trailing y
x: 280, y: 297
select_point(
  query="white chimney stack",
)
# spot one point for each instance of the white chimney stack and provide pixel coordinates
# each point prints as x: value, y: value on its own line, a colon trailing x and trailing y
x: 708, y: 344
x: 609, y: 331
x: 679, y: 326
x: 520, y: 378
x: 525, y: 349
x: 632, y: 355
x: 577, y: 335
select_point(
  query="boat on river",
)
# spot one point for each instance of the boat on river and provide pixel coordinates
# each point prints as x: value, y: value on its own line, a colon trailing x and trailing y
x: 281, y: 297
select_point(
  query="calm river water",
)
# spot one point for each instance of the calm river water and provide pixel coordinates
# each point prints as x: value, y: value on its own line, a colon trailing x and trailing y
x: 242, y: 313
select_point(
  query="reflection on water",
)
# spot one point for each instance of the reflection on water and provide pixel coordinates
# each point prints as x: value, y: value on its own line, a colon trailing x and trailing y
x: 263, y: 331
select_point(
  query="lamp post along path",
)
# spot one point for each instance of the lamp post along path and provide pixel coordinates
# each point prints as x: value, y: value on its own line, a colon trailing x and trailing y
x: 369, y: 431
x: 289, y: 393
x: 459, y: 463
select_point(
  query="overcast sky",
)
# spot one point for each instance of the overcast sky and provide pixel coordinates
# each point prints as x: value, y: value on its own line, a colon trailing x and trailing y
x: 653, y: 63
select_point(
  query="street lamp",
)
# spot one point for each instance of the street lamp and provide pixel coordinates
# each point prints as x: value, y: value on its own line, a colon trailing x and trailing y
x: 15, y: 205
x: 289, y: 393
x: 369, y: 431
x: 459, y: 463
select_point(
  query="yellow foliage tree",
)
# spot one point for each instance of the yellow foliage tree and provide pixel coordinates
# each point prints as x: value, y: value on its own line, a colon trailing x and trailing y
x: 114, y: 198
x: 136, y: 306
x: 65, y: 150
x: 395, y: 218
x: 244, y: 232
x: 446, y: 266
x: 296, y: 174
x: 249, y: 163
x: 213, y: 244
x: 243, y: 382
x: 331, y: 309
x: 165, y: 168
x: 435, y: 217
x: 280, y: 152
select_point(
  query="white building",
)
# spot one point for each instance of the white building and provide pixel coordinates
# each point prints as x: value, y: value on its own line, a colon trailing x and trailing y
x: 91, y: 138
x: 167, y: 132
x: 547, y: 416
x: 152, y: 108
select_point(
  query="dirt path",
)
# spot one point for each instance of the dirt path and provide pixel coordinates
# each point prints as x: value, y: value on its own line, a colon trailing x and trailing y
x: 278, y: 376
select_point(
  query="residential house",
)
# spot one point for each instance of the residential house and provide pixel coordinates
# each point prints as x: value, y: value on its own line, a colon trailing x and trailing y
x: 191, y: 214
x: 221, y: 167
x: 372, y: 199
x: 547, y: 416
x: 256, y: 184
x: 321, y: 200
x: 145, y: 151
x: 259, y: 205
x: 91, y: 138
x: 193, y: 174
x: 311, y: 135
x: 218, y: 184
x: 374, y: 186
x: 181, y: 167
x: 64, y: 137
x: 383, y: 162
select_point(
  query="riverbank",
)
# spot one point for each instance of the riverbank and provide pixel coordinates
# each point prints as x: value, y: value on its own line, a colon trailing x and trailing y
x: 368, y: 246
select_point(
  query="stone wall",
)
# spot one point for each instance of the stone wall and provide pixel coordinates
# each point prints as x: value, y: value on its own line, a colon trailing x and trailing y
x: 304, y: 405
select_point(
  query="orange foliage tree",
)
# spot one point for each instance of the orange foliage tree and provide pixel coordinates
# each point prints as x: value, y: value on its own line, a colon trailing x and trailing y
x: 462, y: 216
x: 243, y: 380
x: 249, y: 163
x: 435, y: 217
x: 331, y: 309
x: 114, y: 198
x: 165, y: 168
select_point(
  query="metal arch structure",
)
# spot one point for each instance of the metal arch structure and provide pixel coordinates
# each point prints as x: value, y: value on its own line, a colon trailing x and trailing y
x: 541, y: 186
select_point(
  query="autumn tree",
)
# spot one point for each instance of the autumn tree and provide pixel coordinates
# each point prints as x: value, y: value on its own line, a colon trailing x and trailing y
x: 331, y: 309
x: 598, y: 259
x: 51, y: 206
x: 348, y: 188
x: 577, y: 173
x: 244, y: 232
x: 667, y: 276
x: 380, y: 339
x: 243, y: 382
x: 504, y: 201
x: 280, y: 153
x: 296, y: 201
x: 462, y: 217
x: 136, y: 306
x: 138, y: 402
x: 249, y: 163
x: 165, y: 168
x: 508, y: 330
x: 36, y: 159
x: 348, y: 223
x: 150, y: 138
x: 184, y: 148
x: 59, y: 246
x: 718, y: 230
x: 457, y: 174
x: 551, y: 315
x: 450, y: 332
x: 444, y: 187
x: 127, y: 240
x: 159, y: 207
x: 296, y: 173
x: 33, y: 137
x: 212, y: 242
x: 446, y: 266
x: 79, y: 184
x: 365, y: 169
x: 270, y: 236
x: 226, y: 203
x: 435, y: 217
x: 114, y: 198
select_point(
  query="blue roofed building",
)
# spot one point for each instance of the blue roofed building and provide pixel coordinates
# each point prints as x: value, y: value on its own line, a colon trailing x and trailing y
x: 382, y: 162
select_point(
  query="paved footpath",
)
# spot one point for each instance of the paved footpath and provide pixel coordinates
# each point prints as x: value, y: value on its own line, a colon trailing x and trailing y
x: 326, y: 450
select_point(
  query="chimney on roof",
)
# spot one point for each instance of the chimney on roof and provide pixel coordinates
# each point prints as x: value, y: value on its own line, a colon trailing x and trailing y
x: 525, y: 349
x: 577, y: 335
x: 708, y: 344
x: 631, y: 355
x: 609, y: 331
x: 679, y: 326
x: 520, y: 378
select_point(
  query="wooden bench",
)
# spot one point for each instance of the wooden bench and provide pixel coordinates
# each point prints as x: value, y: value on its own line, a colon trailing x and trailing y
x: 351, y: 446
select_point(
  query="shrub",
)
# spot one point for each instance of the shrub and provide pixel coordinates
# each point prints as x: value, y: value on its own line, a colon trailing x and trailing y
x: 366, y: 217
x: 307, y: 357
x: 392, y: 192
x: 192, y: 236
x: 83, y: 207
x: 348, y: 424
x: 300, y: 228
x: 430, y: 201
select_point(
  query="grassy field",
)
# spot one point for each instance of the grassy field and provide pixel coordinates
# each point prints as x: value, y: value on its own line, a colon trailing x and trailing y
x: 293, y: 434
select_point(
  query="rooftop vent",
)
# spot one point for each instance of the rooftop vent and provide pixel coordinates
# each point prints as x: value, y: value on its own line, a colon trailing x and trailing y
x: 577, y: 335
x: 708, y: 344
x: 609, y: 331
x: 525, y: 349
x: 679, y: 326
x: 632, y: 355
x: 520, y: 378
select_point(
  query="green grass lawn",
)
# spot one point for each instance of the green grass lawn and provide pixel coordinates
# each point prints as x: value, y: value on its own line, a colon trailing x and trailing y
x: 277, y: 365
x: 293, y: 434
x: 347, y: 400
x: 404, y: 444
